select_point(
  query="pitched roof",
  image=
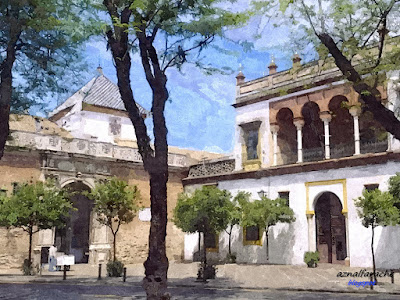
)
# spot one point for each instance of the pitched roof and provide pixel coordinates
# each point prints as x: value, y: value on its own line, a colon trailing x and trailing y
x: 99, y: 91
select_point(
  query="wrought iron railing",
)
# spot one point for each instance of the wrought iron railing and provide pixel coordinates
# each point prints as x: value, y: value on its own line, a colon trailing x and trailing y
x: 313, y: 154
x: 373, y: 146
x: 342, y: 150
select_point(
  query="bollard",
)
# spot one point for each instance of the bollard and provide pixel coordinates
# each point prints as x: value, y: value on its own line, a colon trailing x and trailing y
x: 371, y: 286
x: 65, y: 273
x: 98, y: 278
x: 124, y: 278
x: 392, y: 275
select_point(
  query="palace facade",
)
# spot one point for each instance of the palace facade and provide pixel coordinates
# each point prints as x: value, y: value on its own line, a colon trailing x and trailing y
x: 303, y: 135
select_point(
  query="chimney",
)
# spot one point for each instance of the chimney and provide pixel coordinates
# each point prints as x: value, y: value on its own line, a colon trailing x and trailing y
x: 296, y: 61
x: 240, y: 78
x: 272, y: 66
x: 100, y: 70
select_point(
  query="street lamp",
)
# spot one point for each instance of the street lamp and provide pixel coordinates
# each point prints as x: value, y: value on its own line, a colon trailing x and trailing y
x: 262, y: 193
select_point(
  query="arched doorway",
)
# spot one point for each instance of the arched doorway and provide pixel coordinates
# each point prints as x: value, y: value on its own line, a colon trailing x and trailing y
x: 330, y: 229
x: 74, y: 237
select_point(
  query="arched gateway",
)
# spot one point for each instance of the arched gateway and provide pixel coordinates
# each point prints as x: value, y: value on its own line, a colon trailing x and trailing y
x: 330, y: 229
x: 74, y: 237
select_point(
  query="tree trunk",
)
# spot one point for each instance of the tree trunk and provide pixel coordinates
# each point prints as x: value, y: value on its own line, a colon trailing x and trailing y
x: 266, y: 243
x: 6, y: 81
x: 115, y: 247
x: 155, y: 161
x: 204, y: 257
x: 230, y: 242
x: 30, y: 245
x: 373, y: 254
x: 369, y: 95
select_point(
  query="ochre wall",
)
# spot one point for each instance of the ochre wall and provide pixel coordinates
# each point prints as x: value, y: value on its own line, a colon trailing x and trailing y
x: 16, y: 167
x: 132, y: 239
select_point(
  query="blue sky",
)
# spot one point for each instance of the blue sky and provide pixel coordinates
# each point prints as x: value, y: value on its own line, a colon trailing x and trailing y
x: 200, y: 114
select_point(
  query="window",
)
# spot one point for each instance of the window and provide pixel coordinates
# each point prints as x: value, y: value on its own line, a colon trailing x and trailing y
x: 252, y: 235
x: 284, y: 195
x: 371, y: 187
x: 251, y: 144
x: 250, y: 135
x: 211, y: 241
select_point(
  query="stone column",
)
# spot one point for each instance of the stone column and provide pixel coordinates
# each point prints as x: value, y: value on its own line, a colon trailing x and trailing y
x: 274, y: 131
x: 326, y: 118
x: 355, y: 111
x: 299, y: 123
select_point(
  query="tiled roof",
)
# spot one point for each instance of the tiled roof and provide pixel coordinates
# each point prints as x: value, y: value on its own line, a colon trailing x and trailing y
x: 99, y: 91
x: 105, y: 93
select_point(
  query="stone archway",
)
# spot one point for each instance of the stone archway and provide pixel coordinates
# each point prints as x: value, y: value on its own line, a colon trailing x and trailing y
x: 74, y: 237
x: 330, y: 229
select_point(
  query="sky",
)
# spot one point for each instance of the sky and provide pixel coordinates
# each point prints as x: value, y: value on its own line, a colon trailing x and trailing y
x: 199, y: 113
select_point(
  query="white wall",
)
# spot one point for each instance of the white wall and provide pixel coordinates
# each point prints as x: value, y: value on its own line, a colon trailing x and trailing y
x: 288, y: 242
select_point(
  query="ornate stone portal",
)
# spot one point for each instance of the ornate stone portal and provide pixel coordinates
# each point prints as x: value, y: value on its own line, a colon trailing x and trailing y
x: 83, y: 235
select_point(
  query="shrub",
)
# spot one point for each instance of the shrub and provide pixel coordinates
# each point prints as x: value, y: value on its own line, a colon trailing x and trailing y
x: 230, y: 258
x: 115, y: 268
x: 27, y: 268
x: 208, y: 272
x: 311, y: 258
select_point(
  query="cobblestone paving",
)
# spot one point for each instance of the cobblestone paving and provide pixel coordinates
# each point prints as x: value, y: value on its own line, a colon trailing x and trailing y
x: 102, y: 292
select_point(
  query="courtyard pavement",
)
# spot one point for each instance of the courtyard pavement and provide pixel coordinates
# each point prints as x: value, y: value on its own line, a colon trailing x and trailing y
x: 231, y: 276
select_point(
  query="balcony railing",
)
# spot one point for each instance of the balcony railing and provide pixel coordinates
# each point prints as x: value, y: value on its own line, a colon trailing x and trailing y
x: 373, y: 146
x: 313, y: 154
x: 212, y: 168
x: 342, y: 150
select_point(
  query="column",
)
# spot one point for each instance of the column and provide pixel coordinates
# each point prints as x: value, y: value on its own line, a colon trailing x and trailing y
x: 355, y: 112
x: 326, y: 118
x: 299, y: 123
x: 274, y: 131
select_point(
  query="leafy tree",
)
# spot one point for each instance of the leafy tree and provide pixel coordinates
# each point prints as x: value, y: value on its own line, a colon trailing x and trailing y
x: 347, y: 30
x: 165, y: 33
x: 394, y: 188
x: 207, y: 211
x: 377, y: 208
x: 39, y: 44
x: 266, y: 213
x: 35, y: 206
x: 115, y: 203
x: 235, y: 214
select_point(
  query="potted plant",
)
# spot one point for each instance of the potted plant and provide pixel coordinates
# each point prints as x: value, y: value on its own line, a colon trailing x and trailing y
x: 311, y: 258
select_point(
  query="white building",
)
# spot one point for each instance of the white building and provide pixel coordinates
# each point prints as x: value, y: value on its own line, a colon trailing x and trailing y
x: 295, y: 139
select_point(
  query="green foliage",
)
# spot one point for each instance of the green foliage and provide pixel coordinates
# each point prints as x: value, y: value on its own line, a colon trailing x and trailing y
x: 114, y: 202
x: 377, y: 208
x: 115, y: 268
x: 311, y: 258
x: 266, y: 212
x: 207, y: 210
x: 394, y: 187
x: 46, y: 36
x: 40, y: 204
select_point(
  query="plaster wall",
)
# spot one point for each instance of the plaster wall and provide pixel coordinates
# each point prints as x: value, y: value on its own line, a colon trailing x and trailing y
x: 288, y: 242
x: 247, y: 114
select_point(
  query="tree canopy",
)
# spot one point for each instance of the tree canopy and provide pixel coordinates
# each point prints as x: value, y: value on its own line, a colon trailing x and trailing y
x: 40, y: 53
x: 35, y: 206
x: 115, y: 203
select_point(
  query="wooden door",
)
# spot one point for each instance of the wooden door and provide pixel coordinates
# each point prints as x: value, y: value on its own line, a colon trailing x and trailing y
x: 330, y: 229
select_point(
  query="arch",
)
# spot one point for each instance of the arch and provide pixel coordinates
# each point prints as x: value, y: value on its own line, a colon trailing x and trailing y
x: 341, y: 128
x: 373, y: 137
x: 330, y: 228
x: 313, y: 132
x: 287, y: 140
x: 74, y: 238
x: 68, y: 181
